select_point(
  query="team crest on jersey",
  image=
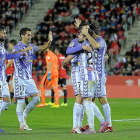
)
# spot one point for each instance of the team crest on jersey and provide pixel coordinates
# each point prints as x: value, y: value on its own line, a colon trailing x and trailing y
x: 90, y: 69
x: 71, y: 44
x: 13, y: 50
x: 48, y: 57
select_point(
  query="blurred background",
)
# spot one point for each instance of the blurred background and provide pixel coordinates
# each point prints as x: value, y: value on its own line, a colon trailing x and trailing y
x: 120, y: 27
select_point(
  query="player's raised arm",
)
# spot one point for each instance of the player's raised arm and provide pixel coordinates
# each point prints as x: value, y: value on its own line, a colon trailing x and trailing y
x: 77, y: 22
x: 47, y: 45
x: 95, y: 44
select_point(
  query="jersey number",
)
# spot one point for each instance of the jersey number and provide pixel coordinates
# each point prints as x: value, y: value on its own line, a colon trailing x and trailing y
x: 95, y: 57
x: 89, y: 63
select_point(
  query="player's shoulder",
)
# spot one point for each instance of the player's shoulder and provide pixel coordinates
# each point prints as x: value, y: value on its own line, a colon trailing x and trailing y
x: 17, y: 47
x: 73, y: 42
x: 86, y: 43
x: 61, y: 56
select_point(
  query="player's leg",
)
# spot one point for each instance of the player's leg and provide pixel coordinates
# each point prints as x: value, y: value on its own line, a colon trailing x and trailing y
x: 19, y: 93
x: 87, y: 95
x: 78, y: 107
x: 6, y: 96
x: 101, y: 94
x: 11, y: 92
x: 50, y: 103
x: 55, y: 89
x: 31, y: 90
x: 1, y: 100
x: 63, y: 85
x: 26, y: 101
x: 77, y: 119
x: 42, y: 89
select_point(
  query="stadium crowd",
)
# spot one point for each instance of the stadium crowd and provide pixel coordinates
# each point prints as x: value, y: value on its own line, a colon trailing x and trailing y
x: 115, y: 17
x: 128, y: 64
x: 11, y: 11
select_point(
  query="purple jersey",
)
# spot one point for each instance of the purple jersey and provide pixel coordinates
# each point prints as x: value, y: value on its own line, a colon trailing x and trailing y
x: 100, y: 57
x: 23, y: 66
x: 70, y: 50
x: 3, y: 56
x: 87, y: 63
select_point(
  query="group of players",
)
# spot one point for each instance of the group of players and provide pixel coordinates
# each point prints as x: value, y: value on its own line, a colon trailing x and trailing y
x: 87, y: 54
x: 24, y: 85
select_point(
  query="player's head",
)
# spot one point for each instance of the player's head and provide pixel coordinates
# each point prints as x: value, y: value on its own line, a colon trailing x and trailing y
x: 3, y: 34
x: 83, y: 24
x: 49, y: 49
x: 12, y: 43
x: 81, y: 36
x: 25, y: 34
x: 57, y: 50
x: 95, y: 26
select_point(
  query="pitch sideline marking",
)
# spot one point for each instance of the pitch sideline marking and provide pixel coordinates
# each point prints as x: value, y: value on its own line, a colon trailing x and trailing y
x: 127, y: 120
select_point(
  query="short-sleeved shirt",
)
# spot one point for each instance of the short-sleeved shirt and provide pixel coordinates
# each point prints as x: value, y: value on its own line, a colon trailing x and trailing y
x: 23, y: 66
x: 61, y: 71
x: 3, y: 53
x: 74, y: 62
x: 51, y: 57
x: 87, y: 64
x: 100, y: 58
x: 9, y: 71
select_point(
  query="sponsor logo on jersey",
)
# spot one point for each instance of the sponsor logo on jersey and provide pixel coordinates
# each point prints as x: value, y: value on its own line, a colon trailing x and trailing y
x: 71, y: 44
x: 90, y: 69
x: 13, y: 50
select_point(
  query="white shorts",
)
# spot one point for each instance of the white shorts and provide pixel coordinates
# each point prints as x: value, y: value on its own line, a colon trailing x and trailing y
x: 76, y: 80
x: 99, y: 88
x: 4, y: 89
x: 24, y: 88
x: 87, y: 89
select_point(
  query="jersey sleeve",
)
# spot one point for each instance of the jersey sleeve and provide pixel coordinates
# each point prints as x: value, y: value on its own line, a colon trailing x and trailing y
x: 35, y: 48
x: 16, y: 49
x: 12, y: 56
x: 74, y: 47
x: 102, y: 43
x: 48, y: 58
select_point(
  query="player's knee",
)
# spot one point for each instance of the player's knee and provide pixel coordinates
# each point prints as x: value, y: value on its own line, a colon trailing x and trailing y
x: 55, y: 90
x: 36, y: 99
x: 42, y: 89
x: 79, y: 99
x: 20, y: 105
x: 103, y: 100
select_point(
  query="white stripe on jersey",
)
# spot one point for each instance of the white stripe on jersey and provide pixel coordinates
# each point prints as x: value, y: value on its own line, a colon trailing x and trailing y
x: 88, y: 70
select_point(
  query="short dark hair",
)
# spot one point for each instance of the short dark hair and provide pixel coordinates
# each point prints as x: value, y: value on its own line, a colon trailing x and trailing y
x: 23, y: 31
x: 58, y: 49
x: 82, y: 24
x: 2, y: 28
x: 13, y: 41
x: 95, y: 26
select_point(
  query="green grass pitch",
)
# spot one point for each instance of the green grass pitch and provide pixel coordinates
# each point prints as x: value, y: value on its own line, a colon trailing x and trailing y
x: 56, y: 124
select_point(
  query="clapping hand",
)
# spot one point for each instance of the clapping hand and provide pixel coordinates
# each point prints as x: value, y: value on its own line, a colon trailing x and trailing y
x: 50, y: 36
x: 77, y: 22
